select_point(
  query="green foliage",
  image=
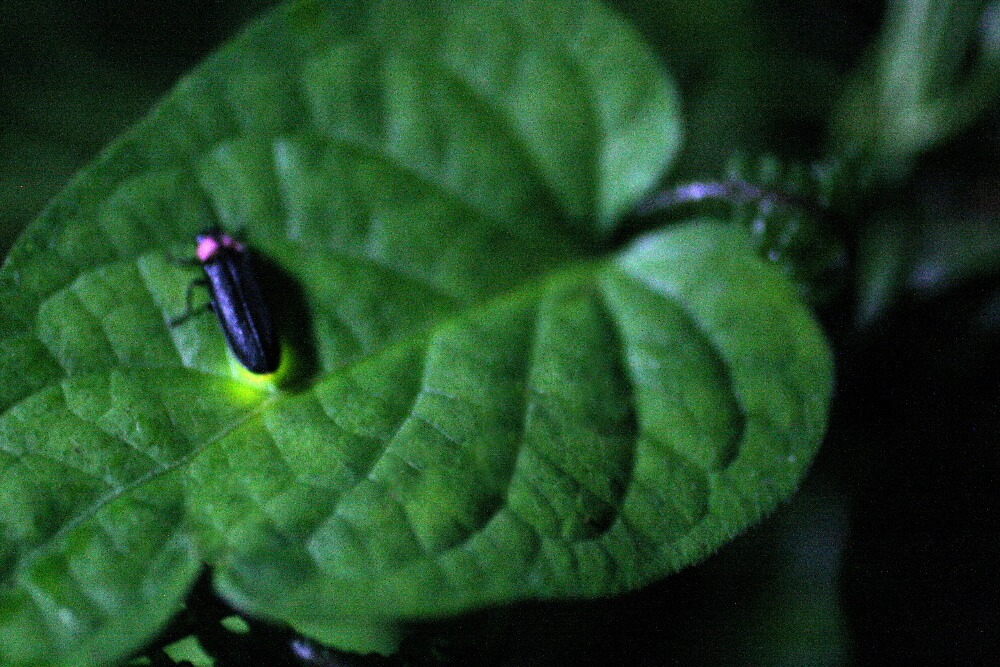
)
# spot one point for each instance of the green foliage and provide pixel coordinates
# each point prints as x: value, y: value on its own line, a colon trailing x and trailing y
x: 918, y: 89
x: 484, y: 401
x: 786, y: 207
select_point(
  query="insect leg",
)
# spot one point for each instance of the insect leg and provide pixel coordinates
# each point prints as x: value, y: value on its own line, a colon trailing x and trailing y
x: 182, y: 261
x: 191, y: 311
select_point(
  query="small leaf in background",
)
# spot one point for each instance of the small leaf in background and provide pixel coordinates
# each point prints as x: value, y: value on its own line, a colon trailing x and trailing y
x: 486, y: 402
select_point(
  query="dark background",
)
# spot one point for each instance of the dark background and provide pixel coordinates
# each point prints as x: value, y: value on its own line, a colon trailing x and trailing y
x: 889, y: 549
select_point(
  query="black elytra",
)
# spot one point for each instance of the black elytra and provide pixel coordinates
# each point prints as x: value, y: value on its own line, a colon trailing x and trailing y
x: 238, y: 302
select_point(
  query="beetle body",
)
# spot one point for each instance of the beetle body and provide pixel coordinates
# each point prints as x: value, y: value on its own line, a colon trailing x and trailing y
x: 238, y: 302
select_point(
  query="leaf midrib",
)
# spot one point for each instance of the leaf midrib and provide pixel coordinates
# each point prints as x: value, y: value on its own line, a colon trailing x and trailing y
x: 112, y: 495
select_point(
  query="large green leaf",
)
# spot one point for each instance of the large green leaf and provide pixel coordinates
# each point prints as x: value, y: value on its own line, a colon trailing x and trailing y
x: 481, y: 401
x: 583, y: 435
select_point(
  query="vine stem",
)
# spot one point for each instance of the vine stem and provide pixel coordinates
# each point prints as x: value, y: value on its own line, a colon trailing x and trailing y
x: 735, y: 191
